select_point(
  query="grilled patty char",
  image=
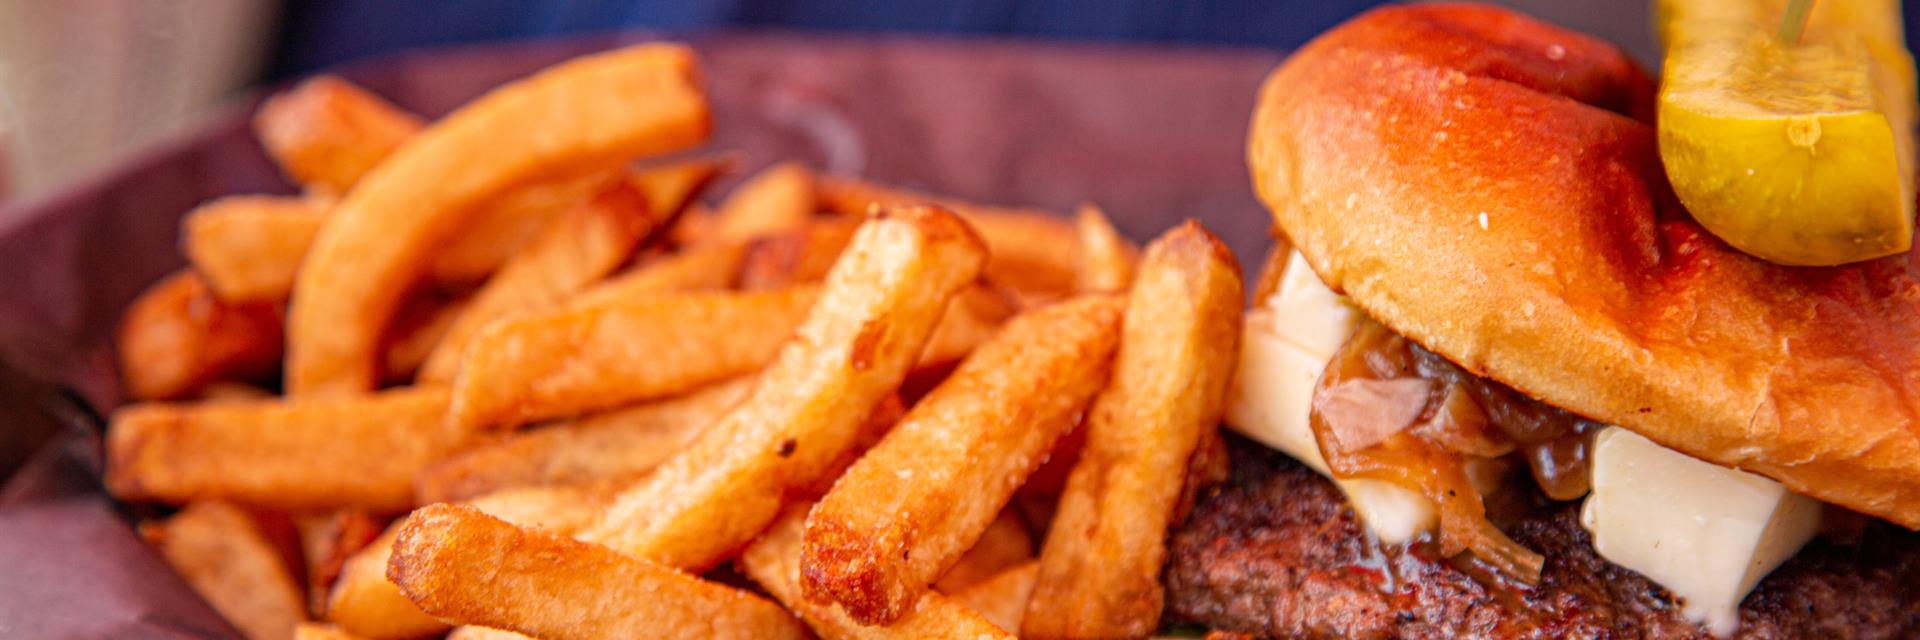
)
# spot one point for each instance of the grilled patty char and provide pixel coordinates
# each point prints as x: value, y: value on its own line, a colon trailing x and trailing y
x: 1276, y: 552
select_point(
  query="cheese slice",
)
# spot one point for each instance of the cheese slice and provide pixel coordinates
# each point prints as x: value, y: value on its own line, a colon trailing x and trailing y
x: 1284, y: 346
x: 1705, y: 532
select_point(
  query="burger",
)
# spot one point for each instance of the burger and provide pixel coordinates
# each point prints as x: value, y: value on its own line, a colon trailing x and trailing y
x: 1501, y: 384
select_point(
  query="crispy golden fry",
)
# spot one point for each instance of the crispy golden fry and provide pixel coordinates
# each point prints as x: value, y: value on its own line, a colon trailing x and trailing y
x: 423, y: 320
x: 879, y: 306
x: 709, y: 266
x: 317, y: 631
x: 797, y: 255
x: 365, y: 602
x: 1002, y: 597
x: 579, y: 359
x: 671, y: 187
x: 1034, y: 252
x: 1004, y: 545
x: 692, y: 227
x: 218, y: 548
x: 971, y: 318
x: 297, y: 455
x: 1106, y: 257
x: 177, y: 337
x: 777, y: 199
x: 576, y: 116
x: 463, y: 565
x: 248, y: 248
x: 905, y: 512
x: 506, y: 223
x: 326, y: 541
x: 773, y: 561
x: 616, y: 444
x: 1100, y: 568
x: 578, y: 248
x: 326, y: 133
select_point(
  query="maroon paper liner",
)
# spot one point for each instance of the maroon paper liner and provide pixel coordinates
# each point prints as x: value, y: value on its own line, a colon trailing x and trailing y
x: 1153, y: 135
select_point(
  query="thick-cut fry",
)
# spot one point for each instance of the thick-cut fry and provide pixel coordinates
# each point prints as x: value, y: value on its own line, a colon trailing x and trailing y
x: 1002, y: 597
x: 177, y: 337
x: 773, y: 561
x: 505, y: 223
x: 971, y: 319
x: 327, y: 132
x: 365, y: 602
x: 221, y: 552
x: 576, y: 360
x: 463, y: 565
x: 248, y: 248
x: 327, y: 540
x: 578, y: 248
x: 616, y: 444
x: 1100, y: 568
x: 797, y: 255
x: 1032, y: 251
x: 577, y: 116
x: 905, y: 512
x: 777, y: 199
x: 1004, y: 545
x: 421, y: 323
x: 1106, y: 257
x: 317, y: 631
x: 709, y: 266
x: 879, y: 306
x: 671, y: 187
x: 298, y: 455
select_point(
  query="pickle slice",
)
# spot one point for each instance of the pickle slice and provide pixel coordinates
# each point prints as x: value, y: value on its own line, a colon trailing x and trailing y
x: 1797, y: 153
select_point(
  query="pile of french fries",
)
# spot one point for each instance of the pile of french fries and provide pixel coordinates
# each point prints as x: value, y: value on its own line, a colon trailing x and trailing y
x: 528, y: 386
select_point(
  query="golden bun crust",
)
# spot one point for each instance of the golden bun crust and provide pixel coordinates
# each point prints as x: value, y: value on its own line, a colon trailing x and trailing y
x: 1479, y: 182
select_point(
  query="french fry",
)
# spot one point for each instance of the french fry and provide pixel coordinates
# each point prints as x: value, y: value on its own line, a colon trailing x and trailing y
x: 669, y: 188
x: 879, y: 305
x: 971, y: 318
x: 709, y: 266
x: 693, y: 227
x: 229, y: 391
x: 221, y: 552
x: 248, y: 248
x: 1002, y: 597
x: 298, y: 455
x: 1100, y: 568
x: 578, y: 248
x: 616, y: 444
x: 797, y: 255
x: 327, y: 540
x: 317, y: 631
x: 777, y: 199
x: 504, y: 224
x: 903, y: 514
x: 1004, y: 545
x: 326, y: 133
x: 470, y: 632
x: 577, y: 116
x: 773, y: 562
x: 463, y: 565
x: 423, y: 320
x: 579, y: 359
x: 177, y: 337
x: 1106, y: 257
x: 1032, y: 251
x: 365, y: 602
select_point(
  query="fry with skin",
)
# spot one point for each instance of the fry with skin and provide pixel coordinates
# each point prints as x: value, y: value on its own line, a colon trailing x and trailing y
x: 1106, y: 257
x: 776, y: 199
x: 219, y: 549
x: 1004, y: 545
x: 797, y: 255
x: 366, y: 603
x: 1002, y: 597
x: 710, y: 266
x: 904, y: 514
x: 579, y: 359
x: 248, y: 248
x: 577, y: 116
x: 327, y: 132
x: 460, y: 564
x: 578, y: 248
x: 293, y: 455
x: 1032, y: 251
x: 773, y: 562
x: 878, y: 307
x: 177, y: 338
x: 1100, y: 568
x: 615, y: 444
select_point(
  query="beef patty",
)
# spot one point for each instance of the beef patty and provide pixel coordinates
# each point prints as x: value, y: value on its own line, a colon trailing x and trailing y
x: 1276, y: 552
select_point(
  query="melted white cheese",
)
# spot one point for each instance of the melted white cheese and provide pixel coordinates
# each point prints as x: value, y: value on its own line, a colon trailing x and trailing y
x: 1705, y: 532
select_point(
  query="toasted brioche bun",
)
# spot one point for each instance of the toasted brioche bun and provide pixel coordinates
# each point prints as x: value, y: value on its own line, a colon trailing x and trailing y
x: 1489, y: 186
